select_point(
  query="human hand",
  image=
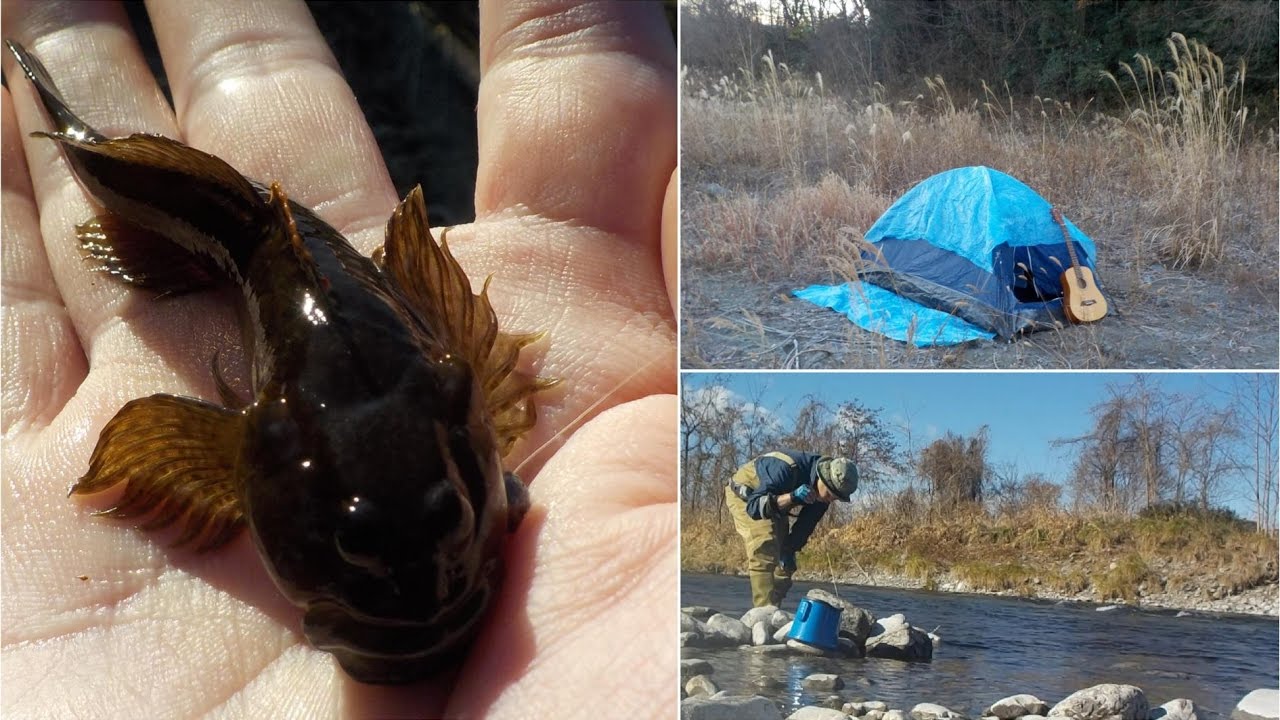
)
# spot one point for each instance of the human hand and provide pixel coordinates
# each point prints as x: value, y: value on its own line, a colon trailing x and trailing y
x: 577, y: 149
x: 804, y: 495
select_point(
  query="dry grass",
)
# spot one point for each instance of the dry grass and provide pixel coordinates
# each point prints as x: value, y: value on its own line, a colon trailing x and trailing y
x: 782, y: 178
x: 1112, y: 558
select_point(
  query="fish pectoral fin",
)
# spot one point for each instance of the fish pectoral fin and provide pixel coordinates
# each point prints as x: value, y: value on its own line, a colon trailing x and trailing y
x: 143, y: 258
x: 178, y: 457
x: 438, y: 289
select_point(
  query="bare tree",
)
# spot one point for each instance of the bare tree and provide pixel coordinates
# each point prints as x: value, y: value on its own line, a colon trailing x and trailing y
x: 1259, y: 408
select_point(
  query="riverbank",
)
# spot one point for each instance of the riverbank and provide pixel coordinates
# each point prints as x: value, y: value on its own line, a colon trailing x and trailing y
x: 1172, y: 563
x: 1262, y: 600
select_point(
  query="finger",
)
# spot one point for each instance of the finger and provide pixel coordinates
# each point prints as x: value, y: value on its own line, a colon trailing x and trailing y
x: 95, y: 61
x: 256, y: 85
x: 42, y: 360
x: 671, y: 239
x: 576, y: 113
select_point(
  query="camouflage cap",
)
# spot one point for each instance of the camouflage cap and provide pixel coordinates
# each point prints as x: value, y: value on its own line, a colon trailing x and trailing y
x: 839, y: 474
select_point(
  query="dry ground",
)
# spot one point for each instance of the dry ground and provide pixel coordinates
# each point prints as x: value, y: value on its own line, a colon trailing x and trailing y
x: 1160, y: 318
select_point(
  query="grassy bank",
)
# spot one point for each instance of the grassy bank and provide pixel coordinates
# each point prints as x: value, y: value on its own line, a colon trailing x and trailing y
x: 1035, y: 554
x: 1174, y: 183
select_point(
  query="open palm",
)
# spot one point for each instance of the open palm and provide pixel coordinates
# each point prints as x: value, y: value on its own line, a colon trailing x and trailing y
x: 577, y: 146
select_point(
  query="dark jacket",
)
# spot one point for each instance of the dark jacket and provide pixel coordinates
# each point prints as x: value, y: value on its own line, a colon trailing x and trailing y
x: 777, y: 478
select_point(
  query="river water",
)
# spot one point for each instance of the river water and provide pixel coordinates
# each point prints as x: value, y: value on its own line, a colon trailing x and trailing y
x: 993, y: 647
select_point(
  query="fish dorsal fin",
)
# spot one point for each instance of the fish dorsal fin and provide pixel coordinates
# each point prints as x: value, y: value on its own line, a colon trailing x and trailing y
x: 437, y: 288
x: 178, y: 457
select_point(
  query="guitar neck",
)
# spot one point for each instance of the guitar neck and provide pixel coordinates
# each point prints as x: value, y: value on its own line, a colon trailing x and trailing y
x: 1071, y: 246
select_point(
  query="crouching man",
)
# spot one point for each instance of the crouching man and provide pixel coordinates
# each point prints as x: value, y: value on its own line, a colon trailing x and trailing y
x: 765, y: 494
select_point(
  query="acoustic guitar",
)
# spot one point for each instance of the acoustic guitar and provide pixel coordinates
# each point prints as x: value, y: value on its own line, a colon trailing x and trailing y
x: 1081, y: 297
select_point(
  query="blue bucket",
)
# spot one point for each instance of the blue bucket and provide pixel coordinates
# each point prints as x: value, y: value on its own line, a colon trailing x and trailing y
x: 817, y: 623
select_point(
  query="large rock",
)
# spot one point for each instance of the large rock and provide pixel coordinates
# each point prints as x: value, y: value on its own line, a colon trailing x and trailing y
x: 755, y: 615
x: 1180, y: 709
x: 694, y: 666
x: 813, y: 712
x: 901, y: 642
x: 728, y: 630
x: 855, y: 623
x: 701, y: 685
x: 689, y: 639
x: 1016, y: 706
x: 689, y: 623
x: 932, y: 711
x: 760, y: 633
x: 780, y: 618
x: 781, y: 635
x: 822, y: 681
x: 1104, y: 702
x: 894, y: 715
x: 1262, y: 704
x: 729, y: 707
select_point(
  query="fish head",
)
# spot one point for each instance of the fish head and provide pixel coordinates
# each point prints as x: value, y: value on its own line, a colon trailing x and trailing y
x: 383, y: 515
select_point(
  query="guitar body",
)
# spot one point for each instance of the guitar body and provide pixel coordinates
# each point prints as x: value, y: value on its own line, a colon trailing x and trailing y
x: 1081, y: 298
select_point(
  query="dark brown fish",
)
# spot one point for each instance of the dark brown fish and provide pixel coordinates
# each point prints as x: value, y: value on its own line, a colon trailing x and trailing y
x: 367, y: 465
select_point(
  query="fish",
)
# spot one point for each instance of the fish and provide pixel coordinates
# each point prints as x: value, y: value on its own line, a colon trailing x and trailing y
x: 368, y: 463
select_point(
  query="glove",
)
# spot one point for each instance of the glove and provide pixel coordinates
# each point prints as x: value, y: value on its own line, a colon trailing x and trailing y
x: 804, y: 494
x: 788, y: 562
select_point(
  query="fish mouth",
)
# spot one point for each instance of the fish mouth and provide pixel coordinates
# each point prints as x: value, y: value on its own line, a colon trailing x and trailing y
x: 383, y: 651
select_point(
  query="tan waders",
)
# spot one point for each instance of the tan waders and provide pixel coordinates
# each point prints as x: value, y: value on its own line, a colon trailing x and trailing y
x: 763, y: 539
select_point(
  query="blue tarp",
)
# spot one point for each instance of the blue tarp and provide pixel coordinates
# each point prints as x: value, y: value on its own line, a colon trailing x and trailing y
x: 880, y: 311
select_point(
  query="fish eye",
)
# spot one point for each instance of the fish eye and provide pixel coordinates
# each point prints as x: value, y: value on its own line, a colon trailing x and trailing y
x: 359, y: 535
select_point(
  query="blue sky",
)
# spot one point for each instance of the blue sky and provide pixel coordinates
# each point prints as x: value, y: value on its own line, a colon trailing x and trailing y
x: 1025, y: 411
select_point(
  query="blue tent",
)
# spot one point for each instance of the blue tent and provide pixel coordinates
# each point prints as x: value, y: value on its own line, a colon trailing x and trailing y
x: 965, y: 254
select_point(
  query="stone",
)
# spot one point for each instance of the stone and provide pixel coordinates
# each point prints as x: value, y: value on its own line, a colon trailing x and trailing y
x: 694, y: 666
x: 813, y: 712
x: 893, y: 715
x: 1261, y: 704
x: 760, y: 633
x: 767, y: 682
x: 808, y: 649
x: 1016, y: 706
x: 875, y: 706
x: 933, y: 711
x: 833, y: 702
x: 688, y: 623
x: 701, y: 685
x: 873, y: 715
x: 822, y: 681
x: 729, y: 707
x: 698, y: 612
x: 1180, y: 709
x: 853, y: 709
x: 727, y: 630
x: 781, y: 634
x: 755, y: 615
x: 780, y: 618
x: 770, y: 650
x: 1107, y: 701
x: 901, y: 642
x: 855, y: 623
x: 688, y: 639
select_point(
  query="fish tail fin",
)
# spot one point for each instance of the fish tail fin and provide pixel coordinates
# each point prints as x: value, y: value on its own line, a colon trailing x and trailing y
x: 67, y: 122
